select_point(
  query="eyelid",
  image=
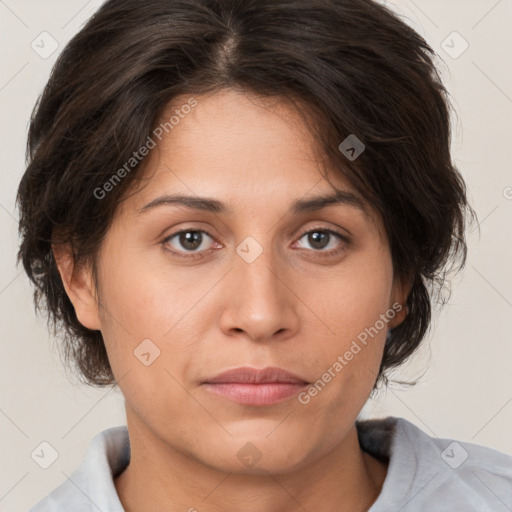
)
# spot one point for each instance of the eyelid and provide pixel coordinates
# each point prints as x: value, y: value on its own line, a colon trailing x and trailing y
x: 345, y: 237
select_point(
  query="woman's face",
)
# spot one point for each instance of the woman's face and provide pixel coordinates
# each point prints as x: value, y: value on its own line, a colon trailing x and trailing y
x: 258, y: 284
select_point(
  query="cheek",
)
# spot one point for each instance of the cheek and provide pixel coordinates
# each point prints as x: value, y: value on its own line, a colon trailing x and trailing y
x: 352, y: 306
x: 354, y: 298
x: 131, y: 304
x: 142, y: 301
x: 138, y: 296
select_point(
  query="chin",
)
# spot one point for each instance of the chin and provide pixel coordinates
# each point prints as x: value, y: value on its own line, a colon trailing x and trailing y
x: 254, y: 455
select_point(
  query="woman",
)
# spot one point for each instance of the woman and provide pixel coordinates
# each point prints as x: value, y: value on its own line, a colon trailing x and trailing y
x: 237, y: 212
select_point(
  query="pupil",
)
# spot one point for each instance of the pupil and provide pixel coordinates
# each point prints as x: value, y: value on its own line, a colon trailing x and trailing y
x: 315, y: 237
x: 189, y: 239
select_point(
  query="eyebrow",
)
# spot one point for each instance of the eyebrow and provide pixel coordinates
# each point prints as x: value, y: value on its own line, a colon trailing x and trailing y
x: 298, y: 206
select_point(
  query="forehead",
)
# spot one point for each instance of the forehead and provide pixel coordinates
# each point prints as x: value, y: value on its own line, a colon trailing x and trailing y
x: 233, y: 139
x: 234, y: 148
x: 235, y: 131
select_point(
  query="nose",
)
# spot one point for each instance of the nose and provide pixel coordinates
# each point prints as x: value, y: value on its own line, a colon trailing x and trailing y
x: 260, y: 302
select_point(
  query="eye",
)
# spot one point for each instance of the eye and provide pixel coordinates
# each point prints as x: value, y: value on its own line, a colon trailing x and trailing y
x: 320, y: 239
x: 191, y: 241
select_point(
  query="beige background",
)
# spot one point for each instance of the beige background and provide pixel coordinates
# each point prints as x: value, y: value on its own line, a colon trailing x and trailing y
x: 466, y: 389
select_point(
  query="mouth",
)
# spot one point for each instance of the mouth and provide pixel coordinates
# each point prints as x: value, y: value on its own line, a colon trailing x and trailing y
x: 251, y: 386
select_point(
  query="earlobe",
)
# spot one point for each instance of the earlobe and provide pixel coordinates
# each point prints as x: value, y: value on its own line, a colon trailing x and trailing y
x: 79, y: 285
x: 399, y: 296
x: 401, y: 312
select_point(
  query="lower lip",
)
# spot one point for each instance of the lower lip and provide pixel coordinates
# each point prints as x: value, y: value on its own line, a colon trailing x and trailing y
x: 255, y: 394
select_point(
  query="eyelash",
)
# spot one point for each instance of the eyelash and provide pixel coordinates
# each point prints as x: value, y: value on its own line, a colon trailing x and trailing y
x: 198, y: 255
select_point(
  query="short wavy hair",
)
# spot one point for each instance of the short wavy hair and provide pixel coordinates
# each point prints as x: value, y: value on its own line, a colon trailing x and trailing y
x: 352, y: 65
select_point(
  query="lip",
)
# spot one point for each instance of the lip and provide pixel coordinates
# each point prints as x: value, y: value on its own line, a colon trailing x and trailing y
x: 248, y: 375
x: 251, y: 386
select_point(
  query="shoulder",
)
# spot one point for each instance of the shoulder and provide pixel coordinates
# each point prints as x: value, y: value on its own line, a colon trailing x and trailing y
x: 91, y: 485
x: 431, y: 473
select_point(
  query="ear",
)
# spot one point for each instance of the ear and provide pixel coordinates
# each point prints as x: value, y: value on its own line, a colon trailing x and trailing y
x: 79, y: 285
x: 398, y: 303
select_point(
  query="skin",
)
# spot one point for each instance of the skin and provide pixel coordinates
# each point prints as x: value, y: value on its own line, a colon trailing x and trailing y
x: 291, y: 307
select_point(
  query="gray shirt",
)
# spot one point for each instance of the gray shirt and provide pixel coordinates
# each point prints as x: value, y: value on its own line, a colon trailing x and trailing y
x: 424, y: 473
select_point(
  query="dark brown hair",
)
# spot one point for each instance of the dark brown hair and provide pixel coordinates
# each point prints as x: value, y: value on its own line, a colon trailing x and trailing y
x: 353, y: 65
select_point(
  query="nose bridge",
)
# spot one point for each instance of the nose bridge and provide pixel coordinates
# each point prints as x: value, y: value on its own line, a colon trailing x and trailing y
x: 259, y: 303
x: 255, y: 270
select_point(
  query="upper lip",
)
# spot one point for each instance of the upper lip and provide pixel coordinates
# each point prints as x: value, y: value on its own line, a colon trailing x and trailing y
x: 249, y: 375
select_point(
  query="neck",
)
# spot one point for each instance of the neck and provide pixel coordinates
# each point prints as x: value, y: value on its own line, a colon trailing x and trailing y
x: 345, y: 479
